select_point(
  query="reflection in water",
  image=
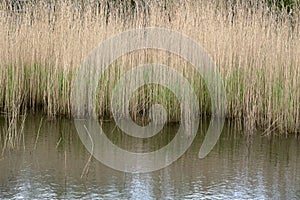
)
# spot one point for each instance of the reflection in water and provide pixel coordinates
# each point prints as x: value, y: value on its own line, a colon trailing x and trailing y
x: 237, y: 168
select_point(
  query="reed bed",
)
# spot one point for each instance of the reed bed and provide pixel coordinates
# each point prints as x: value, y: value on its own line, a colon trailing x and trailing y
x: 256, y: 48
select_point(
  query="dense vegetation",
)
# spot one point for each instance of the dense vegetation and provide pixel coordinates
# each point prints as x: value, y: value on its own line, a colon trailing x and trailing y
x: 255, y: 44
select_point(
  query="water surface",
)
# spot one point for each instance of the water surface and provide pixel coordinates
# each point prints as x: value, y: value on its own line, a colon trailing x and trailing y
x: 239, y: 167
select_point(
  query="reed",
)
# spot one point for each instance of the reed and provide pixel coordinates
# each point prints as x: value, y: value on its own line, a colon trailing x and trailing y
x: 256, y: 48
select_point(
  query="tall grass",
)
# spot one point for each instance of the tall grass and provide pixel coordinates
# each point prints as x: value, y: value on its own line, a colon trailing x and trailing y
x: 256, y: 48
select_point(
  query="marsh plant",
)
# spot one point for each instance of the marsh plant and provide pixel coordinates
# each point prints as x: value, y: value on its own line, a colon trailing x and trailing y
x: 256, y: 47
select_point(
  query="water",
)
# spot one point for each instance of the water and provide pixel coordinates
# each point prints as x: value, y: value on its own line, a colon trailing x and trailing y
x: 239, y: 167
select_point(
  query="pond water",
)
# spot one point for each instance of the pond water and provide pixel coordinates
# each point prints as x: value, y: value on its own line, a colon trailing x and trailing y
x: 50, y: 166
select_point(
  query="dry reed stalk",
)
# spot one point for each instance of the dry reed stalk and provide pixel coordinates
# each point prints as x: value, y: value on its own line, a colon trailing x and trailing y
x: 14, y: 133
x: 38, y: 133
x: 85, y: 170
